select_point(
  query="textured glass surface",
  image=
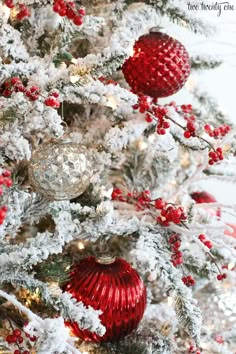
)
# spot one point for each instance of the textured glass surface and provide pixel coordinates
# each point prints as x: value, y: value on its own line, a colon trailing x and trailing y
x: 159, y: 66
x: 114, y: 288
x: 60, y: 170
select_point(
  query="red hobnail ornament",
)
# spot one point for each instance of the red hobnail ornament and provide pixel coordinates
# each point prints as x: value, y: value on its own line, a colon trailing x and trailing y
x: 205, y: 197
x: 159, y: 67
x: 113, y: 286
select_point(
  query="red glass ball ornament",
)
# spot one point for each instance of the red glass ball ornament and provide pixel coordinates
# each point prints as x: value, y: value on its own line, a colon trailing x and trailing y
x: 205, y: 197
x: 159, y: 66
x: 110, y: 285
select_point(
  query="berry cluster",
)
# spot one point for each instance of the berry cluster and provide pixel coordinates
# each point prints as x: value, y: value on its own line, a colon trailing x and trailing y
x: 170, y: 213
x: 68, y: 9
x: 221, y: 276
x: 23, y: 9
x: 142, y: 201
x: 188, y: 280
x: 215, y: 156
x: 52, y: 101
x: 32, y: 93
x: 190, y: 127
x: 16, y: 337
x: 206, y: 242
x: 177, y: 256
x: 217, y: 133
x: 15, y: 85
x: 6, y: 181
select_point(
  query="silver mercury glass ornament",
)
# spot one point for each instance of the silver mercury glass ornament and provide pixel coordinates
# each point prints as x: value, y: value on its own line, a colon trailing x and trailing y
x: 60, y: 170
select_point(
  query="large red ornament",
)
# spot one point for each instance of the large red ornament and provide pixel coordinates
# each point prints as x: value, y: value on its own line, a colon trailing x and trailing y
x: 159, y: 66
x: 204, y: 197
x: 110, y: 285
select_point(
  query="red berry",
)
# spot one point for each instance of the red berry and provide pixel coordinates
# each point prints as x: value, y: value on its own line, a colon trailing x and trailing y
x: 224, y: 276
x: 11, y: 338
x: 17, y: 332
x: 62, y: 12
x: 6, y: 173
x: 7, y: 93
x: 56, y: 8
x: 148, y: 118
x: 54, y: 94
x: 187, y: 134
x: 20, y: 340
x: 161, y: 131
x: 208, y: 244
x: 211, y: 162
x: 33, y: 339
x: 2, y: 214
x: 202, y: 237
x: 81, y: 12
x: 207, y: 127
x: 9, y: 4
x: 78, y: 20
x: 50, y: 101
x: 8, y: 182
x: 20, y: 88
x: 14, y: 80
x: 219, y: 277
x: 17, y: 351
x: 26, y: 352
x: 159, y: 204
x: 191, y: 127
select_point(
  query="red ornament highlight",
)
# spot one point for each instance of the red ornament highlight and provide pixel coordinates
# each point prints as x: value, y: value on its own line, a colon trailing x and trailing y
x: 204, y: 197
x: 113, y: 287
x: 159, y: 67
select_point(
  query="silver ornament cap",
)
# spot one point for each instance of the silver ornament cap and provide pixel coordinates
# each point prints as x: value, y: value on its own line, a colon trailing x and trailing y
x: 60, y: 170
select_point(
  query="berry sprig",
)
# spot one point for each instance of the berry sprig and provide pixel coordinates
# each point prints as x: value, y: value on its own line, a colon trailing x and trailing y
x: 61, y: 7
x: 159, y: 114
x: 18, y: 338
x: 31, y: 92
x: 5, y: 181
x: 206, y: 242
x: 52, y: 101
x: 215, y: 156
x: 188, y: 280
x: 167, y: 212
x: 23, y: 10
x: 217, y: 133
x: 68, y: 9
x: 177, y: 256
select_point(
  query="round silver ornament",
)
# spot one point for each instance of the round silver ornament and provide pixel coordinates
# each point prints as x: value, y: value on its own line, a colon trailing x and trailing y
x: 60, y: 170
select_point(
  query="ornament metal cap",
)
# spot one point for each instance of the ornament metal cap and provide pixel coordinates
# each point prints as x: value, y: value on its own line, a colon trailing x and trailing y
x: 105, y: 259
x: 157, y: 29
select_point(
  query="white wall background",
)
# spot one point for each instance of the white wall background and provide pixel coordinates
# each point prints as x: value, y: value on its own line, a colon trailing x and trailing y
x: 219, y: 82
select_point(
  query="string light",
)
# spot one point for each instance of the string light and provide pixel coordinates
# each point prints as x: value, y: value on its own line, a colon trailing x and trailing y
x: 111, y: 101
x: 231, y: 266
x: 80, y: 245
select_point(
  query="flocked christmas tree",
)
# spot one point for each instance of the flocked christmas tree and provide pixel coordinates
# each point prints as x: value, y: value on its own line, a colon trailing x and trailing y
x: 107, y: 242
